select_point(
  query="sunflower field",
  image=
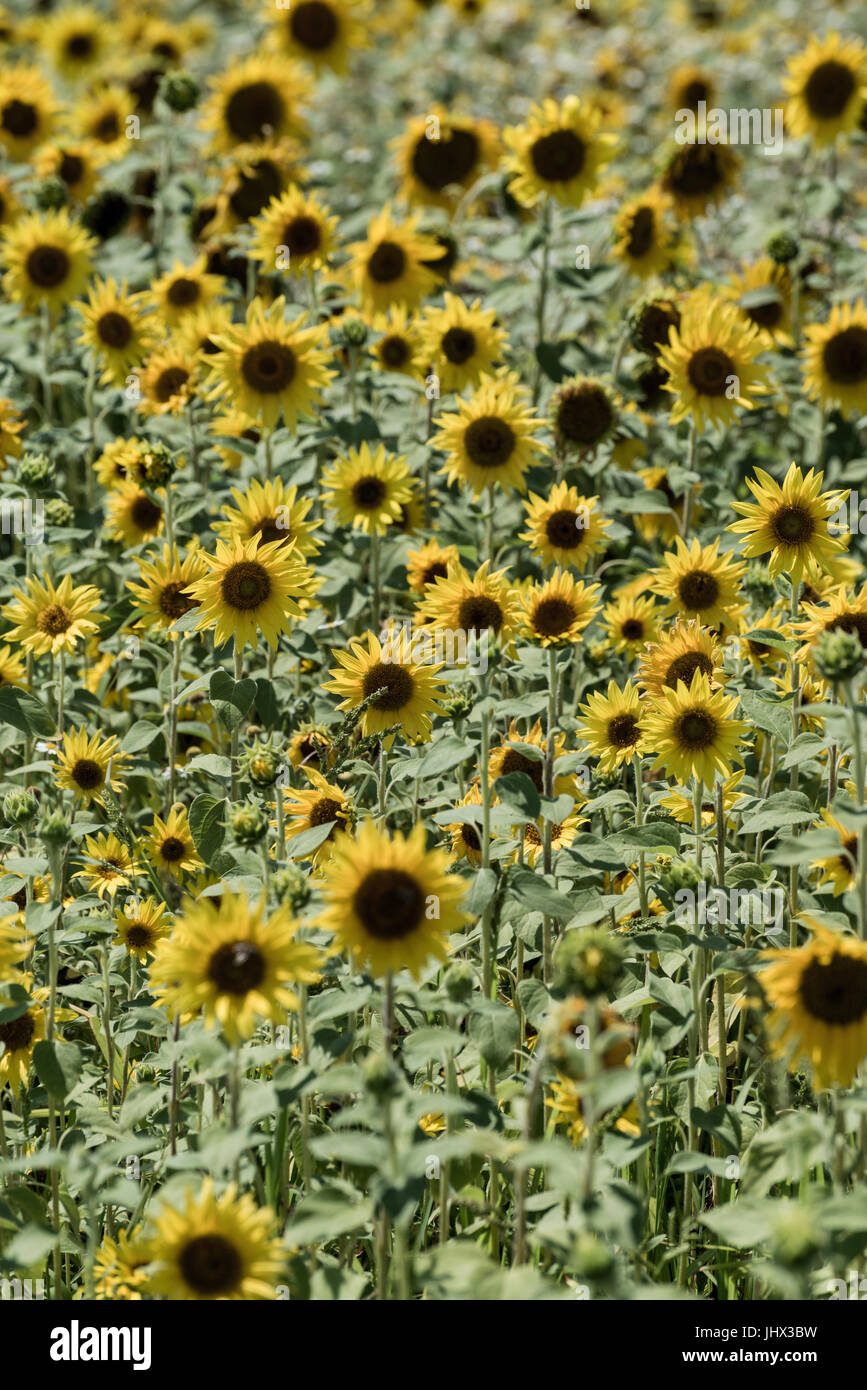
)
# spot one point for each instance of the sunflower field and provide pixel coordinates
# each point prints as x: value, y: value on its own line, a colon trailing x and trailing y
x: 433, y: 650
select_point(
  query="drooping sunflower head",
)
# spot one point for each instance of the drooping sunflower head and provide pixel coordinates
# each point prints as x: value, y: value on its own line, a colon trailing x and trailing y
x: 268, y: 366
x: 559, y: 152
x: 710, y: 360
x: 442, y: 155
x: 367, y: 489
x: 835, y: 358
x: 789, y: 521
x: 684, y: 649
x: 215, y: 1248
x: 491, y: 439
x: 557, y: 611
x: 253, y: 589
x: 47, y: 259
x: 825, y: 85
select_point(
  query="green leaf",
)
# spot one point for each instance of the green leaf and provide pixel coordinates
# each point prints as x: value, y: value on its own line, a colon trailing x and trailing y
x: 495, y: 1030
x: 482, y: 889
x: 533, y: 891
x: 516, y: 789
x: 24, y: 712
x: 768, y: 715
x: 535, y: 1000
x: 58, y: 1066
x: 309, y: 840
x: 445, y: 755
x: 141, y: 735
x: 207, y: 819
x: 231, y: 699
x: 784, y: 808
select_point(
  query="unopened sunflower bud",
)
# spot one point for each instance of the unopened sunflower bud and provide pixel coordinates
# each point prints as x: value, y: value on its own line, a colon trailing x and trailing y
x: 795, y: 1237
x: 588, y: 961
x: 592, y: 1258
x: 156, y: 465
x: 839, y: 656
x: 19, y: 807
x: 51, y: 193
x: 261, y: 764
x: 782, y: 247
x: 249, y: 825
x: 460, y: 982
x: 380, y: 1077
x: 54, y: 829
x: 291, y: 887
x: 180, y: 91
x: 35, y: 472
x: 58, y: 512
x: 457, y: 701
x: 352, y: 332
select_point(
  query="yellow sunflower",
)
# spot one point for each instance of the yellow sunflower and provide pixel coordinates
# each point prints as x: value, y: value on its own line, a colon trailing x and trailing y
x: 479, y: 606
x: 460, y: 342
x: 103, y: 116
x: 693, y: 732
x: 763, y: 293
x: 51, y: 619
x: 390, y: 903
x: 184, y: 290
x: 409, y: 689
x: 322, y: 32
x: 681, y: 805
x: 559, y: 151
x: 391, y: 266
x: 111, y: 865
x: 295, y: 234
x: 267, y: 366
x: 583, y: 412
x: 645, y: 235
x: 27, y: 110
x: 84, y: 763
x: 11, y: 426
x: 441, y: 156
x: 631, y: 621
x: 168, y: 379
x: 698, y: 582
x: 13, y: 671
x: 562, y: 836
x: 119, y: 1266
x: 255, y: 175
x: 10, y: 208
x: 215, y: 1249
x: 163, y: 594
x: 491, y: 438
x: 320, y: 804
x: 526, y: 753
x: 835, y: 359
x: 273, y: 512
x: 839, y: 611
x: 465, y: 835
x: 169, y: 845
x: 252, y: 590
x: 15, y: 942
x: 19, y: 1037
x: 612, y: 725
x: 839, y: 869
x: 697, y: 176
x: 558, y: 610
x: 566, y: 528
x: 790, y: 521
x: 757, y: 652
x: 47, y: 259
x: 710, y: 361
x: 116, y: 328
x: 431, y: 561
x: 141, y: 926
x: 367, y: 490
x: 77, y: 40
x: 396, y: 346
x: 309, y: 747
x: 76, y: 163
x: 133, y: 515
x: 826, y: 88
x: 685, y: 648
x: 255, y: 100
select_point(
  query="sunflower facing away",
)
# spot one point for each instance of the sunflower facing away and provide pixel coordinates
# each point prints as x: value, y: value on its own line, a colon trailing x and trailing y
x: 826, y: 88
x: 612, y: 725
x: 47, y: 259
x: 698, y: 582
x: 233, y: 963
x: 367, y: 489
x: 169, y: 845
x: 710, y: 360
x: 252, y: 590
x: 491, y: 438
x: 817, y: 994
x: 409, y: 688
x: 49, y: 619
x: 559, y: 151
x: 390, y: 902
x: 215, y: 1248
x: 558, y: 610
x: 566, y: 528
x: 460, y: 342
x: 391, y: 266
x: 83, y: 765
x: 267, y: 366
x: 693, y: 732
x: 790, y: 521
x: 835, y: 359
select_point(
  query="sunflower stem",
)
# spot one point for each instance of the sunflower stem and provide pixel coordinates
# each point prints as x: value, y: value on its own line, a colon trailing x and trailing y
x: 542, y: 300
x: 375, y: 579
x: 236, y: 729
x: 639, y: 820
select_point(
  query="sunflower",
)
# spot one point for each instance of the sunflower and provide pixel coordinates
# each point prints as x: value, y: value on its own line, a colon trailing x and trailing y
x: 566, y: 528
x: 76, y: 163
x: 465, y: 836
x: 460, y: 342
x: 835, y: 359
x: 216, y: 1249
x: 558, y: 610
x: 47, y: 259
x: 409, y: 689
x: 11, y: 425
x: 491, y: 438
x: 133, y: 515
x: 294, y: 234
x: 645, y: 237
x: 15, y: 943
x: 76, y: 40
x: 584, y: 412
x: 169, y: 845
x: 233, y: 426
x: 115, y: 328
x: 272, y: 512
x: 234, y: 963
x: 687, y: 647
x: 562, y: 836
x: 322, y: 32
x: 309, y: 747
x: 119, y: 1266
x: 612, y: 726
x: 27, y: 110
x: 112, y: 866
x: 396, y: 348
x: 688, y: 85
x: 710, y: 360
x: 388, y: 267
x: 83, y: 765
x: 112, y: 465
x: 163, y: 595
x: 632, y: 622
x: 698, y: 582
x: 817, y: 995
x: 790, y: 521
x: 390, y: 902
x: 103, y: 117
x: 692, y: 731
x: 252, y: 589
x: 169, y: 379
x: 184, y: 290
x: 757, y: 652
x: 839, y: 869
x: 763, y: 293
x: 697, y: 176
x: 840, y: 611
x: 682, y: 805
x: 321, y: 803
x: 441, y: 156
x: 367, y: 490
x: 255, y: 100
x: 516, y: 754
x: 141, y: 926
x: 431, y: 561
x: 10, y: 208
x: 826, y: 89
x: 664, y: 525
x: 559, y: 151
x: 19, y: 1037
x: 13, y: 671
x: 267, y: 366
x: 51, y: 619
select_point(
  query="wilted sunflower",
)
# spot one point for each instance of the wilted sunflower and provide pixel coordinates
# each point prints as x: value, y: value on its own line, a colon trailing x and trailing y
x: 184, y: 290
x: 583, y: 413
x: 367, y: 490
x: 141, y: 926
x: 111, y: 867
x: 491, y: 438
x: 431, y: 561
x: 47, y: 259
x: 267, y: 366
x: 116, y: 328
x: 763, y: 293
x: 389, y: 266
x: 103, y: 116
x: 83, y: 765
x: 685, y: 648
x: 232, y: 962
x: 163, y: 595
x: 76, y: 163
x: 255, y: 100
x: 559, y: 151
x: 700, y: 583
x: 215, y: 1249
x: 132, y: 514
x: 698, y: 176
x: 835, y: 359
x: 612, y: 725
x: 632, y: 621
x: 252, y: 589
x: 710, y: 360
x: 826, y: 88
x: 170, y: 847
x: 76, y: 40
x: 566, y: 528
x: 558, y: 610
x: 49, y: 619
x: 390, y: 902
x: 480, y: 606
x: 27, y: 110
x: 409, y: 688
x: 839, y: 611
x: 396, y: 349
x: 790, y: 521
x: 645, y: 237
x: 442, y: 155
x: 320, y: 804
x: 692, y: 730
x: 295, y: 234
x: 460, y: 342
x: 273, y: 512
x: 818, y: 999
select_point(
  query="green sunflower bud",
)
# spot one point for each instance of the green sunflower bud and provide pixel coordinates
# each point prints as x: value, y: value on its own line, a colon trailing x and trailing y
x: 782, y: 247
x: 588, y: 961
x: 19, y: 807
x: 839, y: 656
x: 249, y: 825
x: 180, y: 91
x: 51, y: 194
x: 35, y: 472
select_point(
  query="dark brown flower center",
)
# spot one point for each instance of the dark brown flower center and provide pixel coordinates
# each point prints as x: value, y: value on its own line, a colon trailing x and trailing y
x: 87, y: 774
x: 107, y: 128
x: 170, y: 382
x: 850, y: 622
x: 313, y: 25
x: 437, y: 570
x: 396, y: 682
x: 302, y: 235
x: 71, y: 169
x: 54, y: 620
x: 369, y: 493
x: 183, y: 292
x: 513, y: 761
x: 269, y: 531
x: 698, y: 590
x: 470, y: 838
x: 245, y: 585
x: 584, y: 414
x: 389, y: 904
x: 144, y: 513
x: 79, y: 45
x: 172, y: 849
x: 325, y: 810
x: 268, y: 367
x: 844, y: 357
x: 693, y: 92
x: 236, y: 967
x: 47, y: 266
x: 835, y: 991
x: 766, y: 315
x: 139, y: 936
x: 113, y: 329
x: 829, y: 88
x: 623, y: 731
x: 394, y: 351
x: 558, y: 157
x: 451, y: 159
x: 632, y: 630
x: 489, y: 442
x: 710, y: 371
x: 254, y: 110
x: 18, y: 1033
x: 458, y: 345
x: 563, y: 531
x: 174, y: 600
x: 642, y: 232
x: 479, y: 613
x: 19, y: 118
x: 553, y: 616
x: 695, y: 730
x: 257, y: 185
x: 386, y: 263
x: 684, y: 667
x: 695, y: 172
x: 211, y: 1265
x: 657, y: 319
x: 792, y: 526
